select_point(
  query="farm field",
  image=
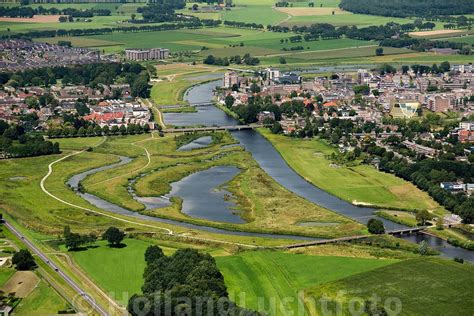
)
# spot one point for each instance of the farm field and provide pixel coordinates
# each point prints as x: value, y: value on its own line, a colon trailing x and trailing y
x: 362, y: 183
x: 97, y: 22
x: 423, y: 286
x: 281, y: 276
x: 464, y: 39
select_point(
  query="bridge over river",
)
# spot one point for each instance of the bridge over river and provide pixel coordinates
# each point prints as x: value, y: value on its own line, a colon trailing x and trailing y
x: 212, y: 128
x: 398, y: 232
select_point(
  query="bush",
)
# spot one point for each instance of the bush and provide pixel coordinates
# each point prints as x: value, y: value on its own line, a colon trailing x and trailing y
x: 375, y: 226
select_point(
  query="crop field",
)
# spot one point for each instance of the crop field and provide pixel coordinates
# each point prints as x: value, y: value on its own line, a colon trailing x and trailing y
x: 462, y: 39
x: 173, y: 40
x: 342, y: 19
x: 305, y: 11
x: 423, y: 286
x: 362, y: 183
x: 79, y: 41
x: 262, y: 14
x: 436, y: 33
x: 266, y: 275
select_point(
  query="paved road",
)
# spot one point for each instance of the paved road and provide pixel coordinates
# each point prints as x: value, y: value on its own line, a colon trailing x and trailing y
x: 57, y: 270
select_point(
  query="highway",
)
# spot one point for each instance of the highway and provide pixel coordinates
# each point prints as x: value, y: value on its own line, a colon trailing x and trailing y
x: 99, y: 309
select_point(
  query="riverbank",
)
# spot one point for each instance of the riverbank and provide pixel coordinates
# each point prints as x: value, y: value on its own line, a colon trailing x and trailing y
x: 361, y: 183
x: 264, y: 204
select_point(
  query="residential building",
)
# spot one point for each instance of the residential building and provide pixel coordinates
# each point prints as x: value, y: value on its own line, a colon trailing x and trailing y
x: 146, y: 54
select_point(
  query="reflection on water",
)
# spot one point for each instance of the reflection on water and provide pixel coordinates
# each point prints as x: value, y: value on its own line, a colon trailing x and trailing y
x: 203, y: 199
x: 201, y: 142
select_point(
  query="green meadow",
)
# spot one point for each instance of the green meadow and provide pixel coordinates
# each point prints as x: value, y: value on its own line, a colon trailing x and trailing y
x: 250, y: 275
x: 257, y: 277
x: 356, y: 184
x: 422, y: 286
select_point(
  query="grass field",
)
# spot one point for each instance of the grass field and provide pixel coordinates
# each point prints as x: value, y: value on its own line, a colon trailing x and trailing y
x: 43, y: 300
x: 5, y: 274
x: 256, y: 278
x: 423, y: 286
x: 360, y: 183
x: 119, y: 271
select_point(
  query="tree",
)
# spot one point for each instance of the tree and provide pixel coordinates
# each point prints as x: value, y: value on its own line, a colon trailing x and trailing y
x: 152, y: 254
x: 23, y: 260
x: 375, y: 226
x: 379, y: 51
x: 229, y: 101
x: 445, y: 66
x: 282, y: 60
x: 422, y: 217
x: 113, y: 235
x: 423, y: 248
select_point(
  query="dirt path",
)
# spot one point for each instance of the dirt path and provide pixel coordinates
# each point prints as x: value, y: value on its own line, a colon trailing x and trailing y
x: 124, y: 220
x: 43, y: 188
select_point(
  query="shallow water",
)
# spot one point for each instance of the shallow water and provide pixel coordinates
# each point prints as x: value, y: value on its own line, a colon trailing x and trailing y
x: 201, y: 142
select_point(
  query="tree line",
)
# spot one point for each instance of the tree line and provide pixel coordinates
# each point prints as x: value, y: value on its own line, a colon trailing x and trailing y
x: 89, y: 74
x: 75, y: 241
x: 422, y: 45
x: 195, y: 23
x: 29, y: 12
x: 247, y: 59
x: 390, y: 34
x: 15, y: 142
x: 96, y: 130
x: 186, y: 283
x: 408, y: 8
x: 158, y: 11
x: 243, y: 25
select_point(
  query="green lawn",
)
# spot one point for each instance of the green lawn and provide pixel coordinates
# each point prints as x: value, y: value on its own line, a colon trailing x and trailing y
x: 267, y: 275
x: 117, y: 270
x: 423, y: 286
x: 360, y: 183
x: 44, y: 300
x: 5, y: 274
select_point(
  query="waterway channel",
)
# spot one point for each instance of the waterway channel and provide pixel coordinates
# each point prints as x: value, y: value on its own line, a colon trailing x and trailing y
x: 270, y: 161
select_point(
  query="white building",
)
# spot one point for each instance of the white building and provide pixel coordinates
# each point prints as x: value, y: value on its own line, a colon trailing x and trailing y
x: 230, y: 78
x: 146, y: 54
x: 273, y: 74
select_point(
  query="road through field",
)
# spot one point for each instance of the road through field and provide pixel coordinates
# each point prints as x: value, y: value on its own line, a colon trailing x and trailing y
x: 80, y: 292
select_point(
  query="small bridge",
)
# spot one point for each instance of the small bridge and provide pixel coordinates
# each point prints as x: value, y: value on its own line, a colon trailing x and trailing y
x: 202, y: 104
x: 212, y: 128
x: 177, y: 106
x: 407, y: 231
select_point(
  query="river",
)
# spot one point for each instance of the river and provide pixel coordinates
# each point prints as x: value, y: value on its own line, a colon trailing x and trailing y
x: 196, y: 195
x: 275, y: 166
